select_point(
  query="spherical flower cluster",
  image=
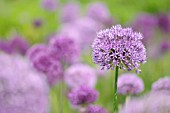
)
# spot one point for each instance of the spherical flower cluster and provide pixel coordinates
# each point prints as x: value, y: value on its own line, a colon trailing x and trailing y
x: 152, y: 103
x: 44, y: 62
x: 100, y: 13
x: 164, y: 46
x: 80, y: 74
x: 37, y: 23
x: 70, y: 12
x: 82, y: 95
x: 5, y: 46
x: 22, y: 89
x: 120, y: 47
x: 164, y: 22
x: 96, y: 109
x: 49, y: 5
x: 64, y: 48
x: 130, y: 84
x: 162, y: 85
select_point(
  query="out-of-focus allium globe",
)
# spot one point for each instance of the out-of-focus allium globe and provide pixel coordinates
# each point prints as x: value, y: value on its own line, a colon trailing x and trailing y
x: 165, y: 46
x: 152, y: 103
x: 129, y: 83
x: 96, y: 109
x: 100, y: 13
x: 22, y: 89
x: 5, y: 46
x: 70, y: 12
x: 87, y: 28
x: 82, y: 95
x: 37, y: 23
x: 19, y: 44
x: 164, y: 22
x: 120, y: 47
x: 64, y: 48
x: 162, y: 85
x: 146, y: 24
x: 49, y: 5
x: 80, y: 74
x: 35, y: 50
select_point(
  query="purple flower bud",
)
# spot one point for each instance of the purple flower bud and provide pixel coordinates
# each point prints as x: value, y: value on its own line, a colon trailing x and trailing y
x: 96, y: 109
x: 130, y: 84
x: 37, y: 23
x: 80, y: 74
x: 22, y: 89
x: 165, y: 46
x: 162, y: 85
x: 82, y: 95
x: 120, y: 47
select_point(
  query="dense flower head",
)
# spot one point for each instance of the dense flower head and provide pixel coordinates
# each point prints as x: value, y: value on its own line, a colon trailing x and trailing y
x: 152, y: 103
x: 5, y: 46
x: 70, y: 12
x: 164, y: 22
x: 49, y: 5
x: 129, y: 83
x: 120, y: 47
x: 22, y: 89
x: 162, y: 85
x: 99, y: 12
x: 96, y: 109
x: 164, y: 46
x: 64, y: 48
x: 80, y: 74
x: 82, y: 95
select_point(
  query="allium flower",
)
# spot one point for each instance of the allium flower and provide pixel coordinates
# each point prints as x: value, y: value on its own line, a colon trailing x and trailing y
x: 152, y: 103
x: 5, y: 46
x: 120, y: 47
x: 64, y: 48
x: 19, y: 44
x: 146, y: 24
x: 22, y: 89
x: 80, y: 74
x: 164, y: 46
x: 96, y: 109
x: 130, y: 84
x: 82, y: 95
x: 100, y: 13
x: 70, y: 12
x: 49, y: 5
x: 164, y: 22
x: 37, y: 23
x: 162, y: 85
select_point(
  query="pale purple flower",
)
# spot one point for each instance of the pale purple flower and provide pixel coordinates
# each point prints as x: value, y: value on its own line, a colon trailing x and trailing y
x: 49, y: 5
x: 80, y: 74
x: 70, y: 12
x: 5, y: 46
x: 162, y: 85
x: 82, y: 95
x: 120, y: 47
x: 165, y: 46
x: 130, y: 83
x: 64, y: 48
x: 152, y: 103
x: 19, y: 44
x: 22, y: 89
x: 164, y: 22
x: 96, y: 109
x: 100, y: 13
x: 146, y: 24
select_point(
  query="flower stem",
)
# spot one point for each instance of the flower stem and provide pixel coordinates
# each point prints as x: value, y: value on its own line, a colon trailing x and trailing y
x: 115, y: 104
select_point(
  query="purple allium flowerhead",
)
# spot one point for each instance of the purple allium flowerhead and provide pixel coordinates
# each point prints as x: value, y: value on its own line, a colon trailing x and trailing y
x: 83, y: 95
x: 130, y: 83
x: 49, y: 5
x: 120, y: 47
x: 37, y: 23
x: 165, y: 46
x: 65, y: 48
x: 152, y: 103
x: 5, y: 46
x: 80, y: 74
x: 19, y: 44
x: 162, y: 85
x: 70, y: 12
x: 100, y: 13
x: 146, y: 24
x: 22, y: 89
x: 96, y: 109
x: 164, y: 22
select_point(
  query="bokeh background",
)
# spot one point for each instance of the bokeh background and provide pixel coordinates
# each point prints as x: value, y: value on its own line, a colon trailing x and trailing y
x: 28, y: 19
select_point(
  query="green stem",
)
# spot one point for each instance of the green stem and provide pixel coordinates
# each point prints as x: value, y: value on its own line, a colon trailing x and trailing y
x: 115, y: 104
